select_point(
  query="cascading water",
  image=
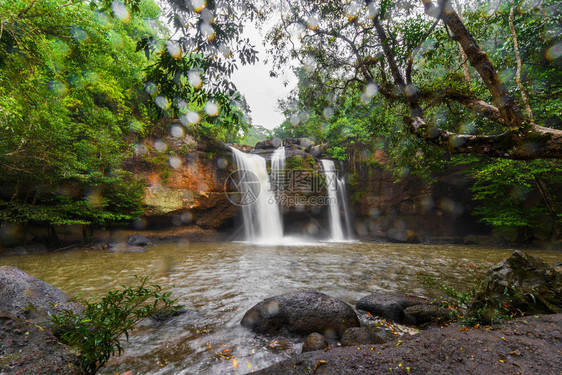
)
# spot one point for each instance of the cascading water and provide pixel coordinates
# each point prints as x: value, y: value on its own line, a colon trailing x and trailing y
x: 277, y: 170
x: 342, y: 192
x: 260, y: 212
x: 336, y: 232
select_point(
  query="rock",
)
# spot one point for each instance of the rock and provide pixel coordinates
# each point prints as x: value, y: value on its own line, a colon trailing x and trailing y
x: 27, y: 349
x: 316, y: 151
x: 19, y: 291
x: 301, y: 313
x: 99, y: 246
x: 403, y: 308
x: 403, y: 235
x: 29, y: 249
x: 124, y: 248
x: 356, y: 336
x: 139, y: 240
x: 315, y: 341
x: 269, y: 143
x: 527, y: 345
x: 426, y: 313
x: 524, y: 283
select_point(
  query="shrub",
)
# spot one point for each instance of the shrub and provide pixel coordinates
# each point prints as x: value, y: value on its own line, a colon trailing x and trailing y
x: 96, y: 331
x: 488, y: 310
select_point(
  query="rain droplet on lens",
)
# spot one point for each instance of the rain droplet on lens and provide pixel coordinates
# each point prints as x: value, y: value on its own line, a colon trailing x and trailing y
x: 140, y: 149
x: 162, y: 102
x: 175, y: 162
x: 194, y: 79
x: 174, y: 49
x: 207, y: 31
x: 120, y: 11
x: 150, y: 88
x: 160, y: 146
x: 328, y: 112
x: 176, y: 131
x: 312, y: 22
x: 212, y: 109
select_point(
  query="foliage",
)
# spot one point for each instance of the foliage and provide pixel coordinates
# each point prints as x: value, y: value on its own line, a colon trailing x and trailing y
x: 488, y: 310
x: 255, y: 134
x: 517, y: 198
x: 96, y: 332
x: 408, y: 56
x: 68, y: 104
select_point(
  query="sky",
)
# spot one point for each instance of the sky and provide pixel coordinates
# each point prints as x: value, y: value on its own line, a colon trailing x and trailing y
x: 261, y: 90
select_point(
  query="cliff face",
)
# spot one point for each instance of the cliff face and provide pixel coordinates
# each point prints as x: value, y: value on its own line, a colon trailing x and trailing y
x: 188, y: 185
x: 186, y: 179
x: 411, y: 209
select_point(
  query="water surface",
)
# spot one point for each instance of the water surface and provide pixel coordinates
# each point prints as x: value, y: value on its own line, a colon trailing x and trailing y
x: 219, y: 282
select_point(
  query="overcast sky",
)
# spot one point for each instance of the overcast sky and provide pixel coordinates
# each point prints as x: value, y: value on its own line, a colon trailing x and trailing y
x: 261, y: 90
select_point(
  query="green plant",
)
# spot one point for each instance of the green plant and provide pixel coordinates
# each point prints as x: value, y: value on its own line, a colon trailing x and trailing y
x: 96, y: 332
x: 474, y: 306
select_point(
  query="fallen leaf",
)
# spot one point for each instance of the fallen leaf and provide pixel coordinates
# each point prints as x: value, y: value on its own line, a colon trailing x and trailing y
x: 318, y: 364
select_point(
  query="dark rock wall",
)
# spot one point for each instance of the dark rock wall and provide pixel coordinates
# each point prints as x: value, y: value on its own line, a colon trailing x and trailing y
x: 412, y: 208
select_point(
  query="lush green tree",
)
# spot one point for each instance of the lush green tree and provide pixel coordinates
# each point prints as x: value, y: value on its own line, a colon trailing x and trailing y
x: 69, y: 77
x: 407, y: 52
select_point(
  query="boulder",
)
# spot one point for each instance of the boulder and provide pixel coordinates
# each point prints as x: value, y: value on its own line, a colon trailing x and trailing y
x: 29, y: 298
x: 301, y: 313
x: 315, y: 341
x: 139, y: 240
x: 357, y: 336
x: 524, y: 284
x: 27, y: 349
x: 403, y: 308
x: 269, y: 143
x: 125, y: 248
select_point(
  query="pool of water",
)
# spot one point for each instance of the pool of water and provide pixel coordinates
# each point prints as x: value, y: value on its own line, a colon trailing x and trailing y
x: 219, y: 282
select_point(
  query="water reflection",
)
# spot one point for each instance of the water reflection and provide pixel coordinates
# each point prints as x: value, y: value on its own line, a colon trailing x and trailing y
x: 218, y: 282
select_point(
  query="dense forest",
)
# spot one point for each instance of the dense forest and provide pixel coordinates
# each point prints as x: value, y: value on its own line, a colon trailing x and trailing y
x: 83, y: 82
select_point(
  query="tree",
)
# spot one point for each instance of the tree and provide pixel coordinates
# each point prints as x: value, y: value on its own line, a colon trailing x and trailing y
x: 194, y: 68
x: 388, y: 44
x: 69, y: 77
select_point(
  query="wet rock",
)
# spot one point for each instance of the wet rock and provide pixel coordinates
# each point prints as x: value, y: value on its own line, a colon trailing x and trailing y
x: 524, y: 283
x: 29, y: 249
x: 403, y: 235
x: 301, y: 313
x: 403, y: 308
x: 426, y: 313
x: 124, y: 248
x: 365, y: 336
x: 139, y: 240
x: 315, y: 341
x: 27, y: 349
x: 527, y: 345
x: 269, y: 143
x: 29, y: 298
x: 316, y: 151
x: 99, y: 246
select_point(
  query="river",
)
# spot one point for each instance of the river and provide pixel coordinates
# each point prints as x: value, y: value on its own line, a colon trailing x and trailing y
x: 219, y: 282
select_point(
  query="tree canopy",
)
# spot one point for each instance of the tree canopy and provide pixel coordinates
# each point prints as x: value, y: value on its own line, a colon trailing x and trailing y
x: 420, y: 56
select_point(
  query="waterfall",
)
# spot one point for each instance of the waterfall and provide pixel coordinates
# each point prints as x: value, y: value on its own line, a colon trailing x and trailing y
x: 330, y: 173
x: 342, y: 192
x: 260, y: 212
x: 277, y: 170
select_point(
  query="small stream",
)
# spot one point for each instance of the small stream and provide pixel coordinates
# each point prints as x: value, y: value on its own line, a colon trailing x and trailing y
x: 219, y: 282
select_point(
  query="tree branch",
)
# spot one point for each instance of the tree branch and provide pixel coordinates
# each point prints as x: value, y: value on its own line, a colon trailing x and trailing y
x: 479, y: 60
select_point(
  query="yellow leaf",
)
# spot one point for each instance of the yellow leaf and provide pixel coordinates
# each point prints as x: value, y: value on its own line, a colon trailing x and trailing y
x: 318, y: 364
